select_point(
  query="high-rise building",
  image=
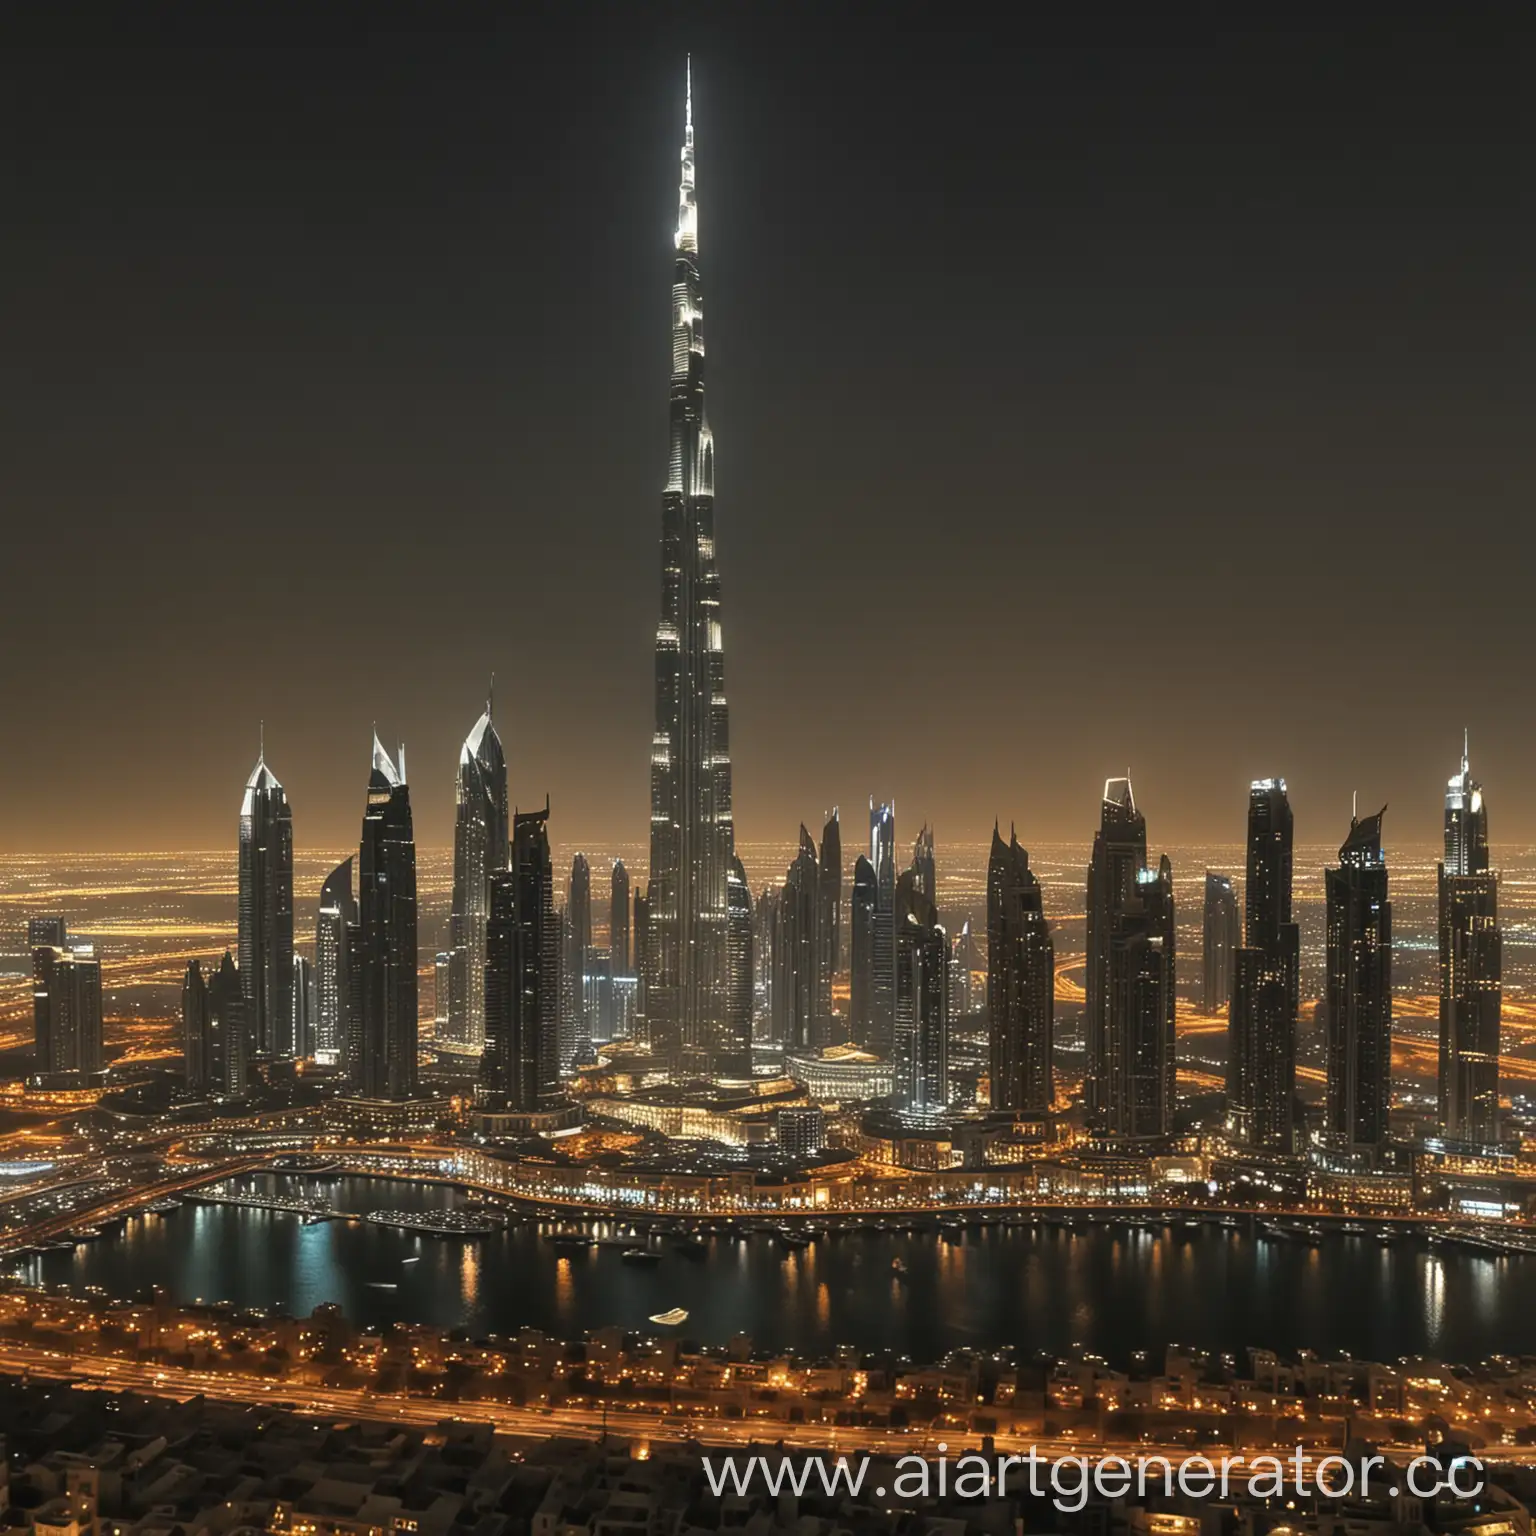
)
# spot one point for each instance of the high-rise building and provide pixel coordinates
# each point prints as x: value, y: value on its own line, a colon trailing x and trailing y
x: 522, y: 987
x: 1471, y: 967
x: 802, y: 1130
x: 735, y: 1055
x: 1139, y: 1097
x: 266, y: 914
x: 618, y: 920
x: 921, y: 1045
x: 194, y: 1028
x: 861, y: 922
x: 575, y: 1023
x: 479, y: 852
x: 227, y: 1032
x: 303, y: 995
x: 765, y: 928
x: 1021, y: 982
x: 382, y: 1039
x: 795, y: 952
x: 1358, y: 993
x: 923, y: 867
x: 1119, y: 855
x: 1222, y: 936
x: 882, y: 860
x: 692, y: 836
x: 829, y: 931
x: 967, y: 995
x: 1266, y: 972
x: 66, y: 999
x: 335, y: 928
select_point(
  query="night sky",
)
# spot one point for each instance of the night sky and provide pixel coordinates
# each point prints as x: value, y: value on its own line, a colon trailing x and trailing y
x: 1124, y: 390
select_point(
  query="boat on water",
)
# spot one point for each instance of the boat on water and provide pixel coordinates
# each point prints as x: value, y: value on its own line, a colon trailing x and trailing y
x: 415, y: 1259
x: 692, y: 1248
x: 793, y: 1240
x: 382, y: 1285
x: 671, y: 1318
x: 899, y: 1268
x: 640, y: 1256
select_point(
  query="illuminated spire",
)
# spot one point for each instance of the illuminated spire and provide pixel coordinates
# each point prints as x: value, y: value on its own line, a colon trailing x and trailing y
x: 687, y: 209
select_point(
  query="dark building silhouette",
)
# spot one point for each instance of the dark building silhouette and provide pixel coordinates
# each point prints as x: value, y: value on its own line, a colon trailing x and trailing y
x: 266, y: 914
x: 1222, y: 936
x: 1119, y: 855
x: 1261, y: 1044
x: 66, y: 1003
x: 924, y: 870
x: 480, y: 834
x: 921, y: 1047
x: 829, y: 930
x: 522, y: 978
x: 1471, y: 967
x: 194, y: 1028
x: 303, y: 994
x: 1021, y: 982
x: 618, y: 919
x: 965, y: 997
x: 335, y: 928
x: 862, y: 900
x: 1139, y: 1096
x: 575, y: 1022
x: 795, y: 951
x: 692, y: 836
x: 882, y: 859
x: 765, y: 928
x: 735, y: 1056
x: 381, y: 1041
x: 1358, y: 993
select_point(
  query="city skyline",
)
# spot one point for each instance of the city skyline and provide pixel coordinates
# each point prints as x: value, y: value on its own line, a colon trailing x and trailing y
x: 1335, y: 440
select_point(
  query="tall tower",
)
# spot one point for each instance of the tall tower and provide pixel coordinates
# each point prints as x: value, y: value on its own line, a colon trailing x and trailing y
x: 1119, y: 855
x: 861, y: 949
x: 522, y: 993
x: 266, y: 914
x: 920, y: 1056
x: 618, y: 919
x: 1221, y: 939
x: 1359, y: 993
x: 479, y: 853
x: 1021, y: 982
x: 735, y: 1056
x: 335, y: 933
x: 829, y: 928
x: 1471, y: 967
x: 1266, y: 974
x: 381, y: 1044
x: 923, y: 868
x: 882, y: 859
x: 692, y: 835
x: 795, y: 952
x: 575, y: 1019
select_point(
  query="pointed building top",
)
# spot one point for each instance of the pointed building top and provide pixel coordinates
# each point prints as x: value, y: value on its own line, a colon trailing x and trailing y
x: 382, y: 765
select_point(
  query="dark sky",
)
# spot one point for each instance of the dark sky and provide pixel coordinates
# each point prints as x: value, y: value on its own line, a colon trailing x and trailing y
x: 1118, y: 390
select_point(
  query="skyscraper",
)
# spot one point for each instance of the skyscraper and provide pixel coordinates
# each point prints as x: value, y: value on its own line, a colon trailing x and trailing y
x: 861, y: 922
x: 1119, y: 854
x: 1471, y: 967
x: 479, y: 852
x: 923, y: 866
x: 335, y: 928
x: 266, y: 914
x: 194, y: 1028
x: 1222, y: 937
x: 882, y: 860
x: 735, y: 1055
x: 575, y: 1023
x: 921, y: 1045
x: 381, y: 1043
x: 1139, y: 1097
x: 1266, y: 972
x: 1021, y: 982
x: 692, y: 836
x: 795, y: 952
x: 303, y: 996
x: 829, y: 930
x: 618, y: 920
x: 66, y: 1008
x: 1358, y: 993
x: 522, y: 987
x: 227, y: 1032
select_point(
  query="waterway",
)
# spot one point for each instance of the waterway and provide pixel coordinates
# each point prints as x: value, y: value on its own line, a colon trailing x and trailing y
x: 1107, y: 1287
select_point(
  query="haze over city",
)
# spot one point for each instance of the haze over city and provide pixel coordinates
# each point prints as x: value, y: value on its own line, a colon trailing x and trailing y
x: 1146, y: 394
